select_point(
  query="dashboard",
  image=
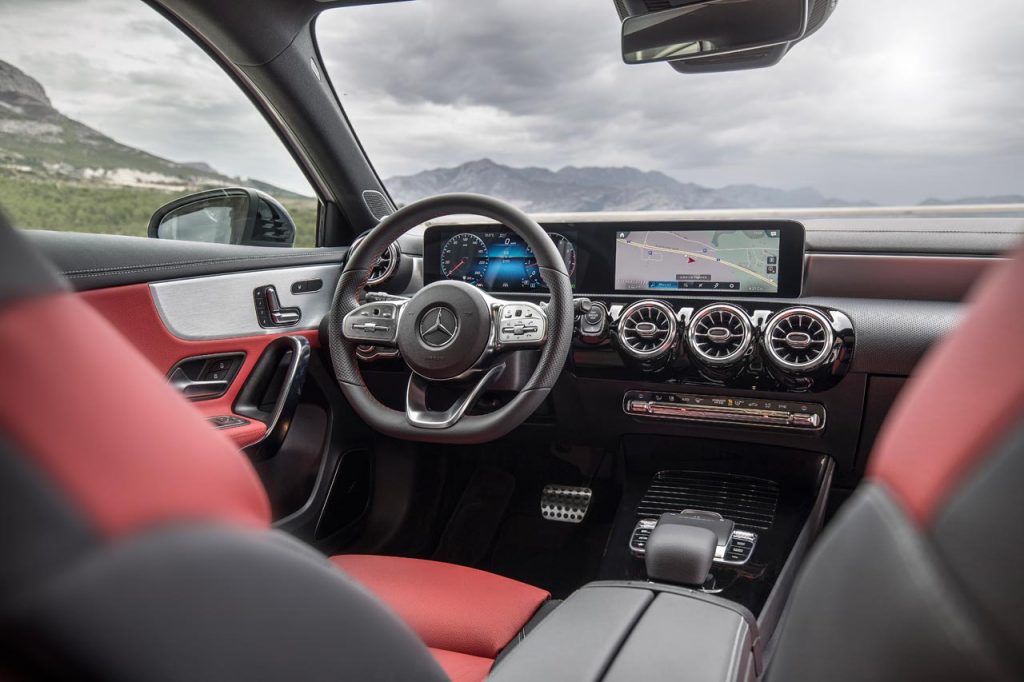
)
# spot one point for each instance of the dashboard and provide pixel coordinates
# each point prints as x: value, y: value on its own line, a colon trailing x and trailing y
x: 653, y: 298
x: 722, y: 258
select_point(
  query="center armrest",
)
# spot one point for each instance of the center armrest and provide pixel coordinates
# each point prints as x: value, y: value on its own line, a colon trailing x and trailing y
x: 638, y: 630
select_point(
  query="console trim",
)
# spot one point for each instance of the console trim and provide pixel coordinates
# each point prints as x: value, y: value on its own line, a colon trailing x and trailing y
x: 705, y: 408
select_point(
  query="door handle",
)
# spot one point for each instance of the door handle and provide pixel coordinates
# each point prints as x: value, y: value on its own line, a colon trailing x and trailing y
x: 196, y: 390
x: 272, y: 392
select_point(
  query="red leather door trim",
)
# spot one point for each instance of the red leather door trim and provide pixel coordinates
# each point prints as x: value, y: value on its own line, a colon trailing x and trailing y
x: 131, y: 452
x: 131, y: 310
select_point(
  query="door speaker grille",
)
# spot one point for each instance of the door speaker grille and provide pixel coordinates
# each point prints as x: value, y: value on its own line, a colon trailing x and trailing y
x: 750, y: 502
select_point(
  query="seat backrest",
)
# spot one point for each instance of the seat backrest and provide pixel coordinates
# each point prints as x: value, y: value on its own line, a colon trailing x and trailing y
x: 919, y: 575
x: 136, y: 541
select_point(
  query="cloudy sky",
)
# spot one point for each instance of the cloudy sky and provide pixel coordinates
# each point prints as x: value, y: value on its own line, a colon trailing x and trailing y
x: 892, y: 101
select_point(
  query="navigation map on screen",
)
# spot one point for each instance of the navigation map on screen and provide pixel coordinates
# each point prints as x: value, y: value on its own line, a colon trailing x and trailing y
x: 703, y: 260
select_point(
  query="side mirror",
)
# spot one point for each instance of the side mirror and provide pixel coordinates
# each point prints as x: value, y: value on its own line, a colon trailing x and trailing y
x: 233, y: 215
x: 701, y: 36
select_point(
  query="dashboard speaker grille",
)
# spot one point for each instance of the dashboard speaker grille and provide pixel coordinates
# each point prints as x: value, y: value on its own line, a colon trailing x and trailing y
x: 647, y: 329
x: 377, y: 204
x: 750, y: 502
x: 798, y: 339
x: 720, y: 334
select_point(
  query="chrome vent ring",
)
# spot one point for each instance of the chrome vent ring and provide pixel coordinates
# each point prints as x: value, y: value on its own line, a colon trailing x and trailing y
x: 385, y: 266
x: 720, y: 334
x: 647, y: 329
x: 798, y: 339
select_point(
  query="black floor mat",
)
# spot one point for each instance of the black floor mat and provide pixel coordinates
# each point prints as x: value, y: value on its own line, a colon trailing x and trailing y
x: 497, y: 526
x: 477, y: 518
x: 559, y: 557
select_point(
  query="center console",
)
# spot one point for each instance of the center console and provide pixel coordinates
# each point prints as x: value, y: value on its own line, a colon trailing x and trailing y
x: 697, y: 570
x: 638, y: 631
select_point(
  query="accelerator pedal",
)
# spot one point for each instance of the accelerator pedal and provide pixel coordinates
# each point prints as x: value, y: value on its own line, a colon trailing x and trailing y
x: 565, y: 503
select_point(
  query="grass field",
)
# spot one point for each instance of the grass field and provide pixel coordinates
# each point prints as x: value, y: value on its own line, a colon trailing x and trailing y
x: 73, y: 207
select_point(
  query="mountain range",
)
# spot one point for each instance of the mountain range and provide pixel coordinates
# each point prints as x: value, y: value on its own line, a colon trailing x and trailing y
x: 39, y: 144
x: 597, y: 189
x: 37, y: 141
x: 616, y: 189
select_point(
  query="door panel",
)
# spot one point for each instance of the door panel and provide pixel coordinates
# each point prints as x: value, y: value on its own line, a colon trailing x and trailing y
x: 132, y: 311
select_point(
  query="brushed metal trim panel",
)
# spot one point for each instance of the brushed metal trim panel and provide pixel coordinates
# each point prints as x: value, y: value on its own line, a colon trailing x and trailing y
x: 220, y: 306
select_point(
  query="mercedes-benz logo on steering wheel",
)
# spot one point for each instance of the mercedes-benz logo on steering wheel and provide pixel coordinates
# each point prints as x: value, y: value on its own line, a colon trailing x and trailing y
x: 438, y: 326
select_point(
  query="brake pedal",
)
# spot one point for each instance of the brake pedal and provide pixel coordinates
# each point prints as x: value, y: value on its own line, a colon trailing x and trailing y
x: 565, y: 503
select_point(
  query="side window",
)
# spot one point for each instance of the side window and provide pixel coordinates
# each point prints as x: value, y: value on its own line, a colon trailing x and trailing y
x: 108, y: 112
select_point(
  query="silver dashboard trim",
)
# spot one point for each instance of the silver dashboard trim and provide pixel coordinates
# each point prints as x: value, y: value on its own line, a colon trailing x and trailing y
x: 220, y: 306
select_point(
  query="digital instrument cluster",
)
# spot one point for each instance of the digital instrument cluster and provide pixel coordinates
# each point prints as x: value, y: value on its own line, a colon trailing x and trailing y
x: 499, y: 260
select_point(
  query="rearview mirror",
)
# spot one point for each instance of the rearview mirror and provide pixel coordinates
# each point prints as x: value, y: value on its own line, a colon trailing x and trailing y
x: 718, y: 35
x: 232, y: 215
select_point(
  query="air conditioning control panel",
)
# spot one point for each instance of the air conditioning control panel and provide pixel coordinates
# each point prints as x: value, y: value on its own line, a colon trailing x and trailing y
x: 765, y: 346
x: 715, y: 409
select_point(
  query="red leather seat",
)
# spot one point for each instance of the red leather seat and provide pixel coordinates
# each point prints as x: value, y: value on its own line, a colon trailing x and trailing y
x: 91, y: 434
x: 465, y: 616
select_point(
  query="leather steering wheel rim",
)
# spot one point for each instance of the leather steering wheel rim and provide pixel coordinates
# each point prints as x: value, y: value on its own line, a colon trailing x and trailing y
x: 351, y: 285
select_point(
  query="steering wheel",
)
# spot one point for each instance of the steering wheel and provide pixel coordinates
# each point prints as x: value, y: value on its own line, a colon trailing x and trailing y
x: 450, y: 331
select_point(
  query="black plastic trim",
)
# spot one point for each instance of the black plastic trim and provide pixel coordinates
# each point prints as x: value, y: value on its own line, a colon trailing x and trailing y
x: 294, y: 350
x: 99, y: 261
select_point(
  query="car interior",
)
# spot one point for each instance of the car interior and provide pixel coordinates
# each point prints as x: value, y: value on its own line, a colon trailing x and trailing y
x: 457, y: 440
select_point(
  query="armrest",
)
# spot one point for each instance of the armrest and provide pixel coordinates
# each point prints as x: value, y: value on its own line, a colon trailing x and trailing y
x: 624, y: 631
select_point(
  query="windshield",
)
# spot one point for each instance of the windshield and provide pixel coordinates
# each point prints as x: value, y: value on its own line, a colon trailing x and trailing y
x: 907, y: 104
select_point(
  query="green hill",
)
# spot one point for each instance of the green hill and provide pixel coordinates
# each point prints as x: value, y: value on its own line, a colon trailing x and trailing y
x: 59, y: 174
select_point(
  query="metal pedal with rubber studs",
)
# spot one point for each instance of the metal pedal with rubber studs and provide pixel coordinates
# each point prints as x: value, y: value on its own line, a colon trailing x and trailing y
x: 565, y: 503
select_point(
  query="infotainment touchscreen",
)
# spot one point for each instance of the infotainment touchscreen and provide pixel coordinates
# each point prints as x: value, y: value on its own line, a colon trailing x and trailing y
x: 730, y: 260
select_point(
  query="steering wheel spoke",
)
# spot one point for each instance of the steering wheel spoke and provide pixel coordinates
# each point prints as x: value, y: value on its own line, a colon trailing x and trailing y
x: 374, y: 323
x: 419, y: 415
x: 519, y: 325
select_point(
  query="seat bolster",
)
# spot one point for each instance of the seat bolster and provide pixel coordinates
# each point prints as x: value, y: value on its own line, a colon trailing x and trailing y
x: 450, y: 607
x: 207, y: 602
x: 462, y: 667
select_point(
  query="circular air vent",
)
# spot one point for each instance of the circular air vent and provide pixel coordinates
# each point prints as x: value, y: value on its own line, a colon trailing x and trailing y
x: 720, y: 334
x: 385, y: 266
x: 798, y: 339
x: 647, y: 329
